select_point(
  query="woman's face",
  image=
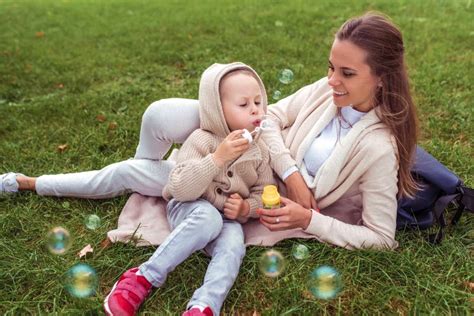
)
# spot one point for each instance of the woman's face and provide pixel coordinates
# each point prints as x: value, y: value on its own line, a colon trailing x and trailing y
x: 350, y: 77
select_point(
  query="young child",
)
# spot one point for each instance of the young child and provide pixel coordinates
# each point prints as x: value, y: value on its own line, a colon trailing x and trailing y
x: 217, y: 183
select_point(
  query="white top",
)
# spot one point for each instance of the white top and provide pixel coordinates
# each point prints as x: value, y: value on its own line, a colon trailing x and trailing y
x: 324, y: 143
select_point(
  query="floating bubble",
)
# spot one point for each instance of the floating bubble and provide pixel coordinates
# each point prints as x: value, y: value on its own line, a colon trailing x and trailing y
x: 300, y: 252
x: 286, y: 76
x: 267, y: 123
x: 272, y: 263
x: 92, y: 222
x: 276, y: 95
x: 325, y: 282
x: 81, y: 280
x: 58, y: 240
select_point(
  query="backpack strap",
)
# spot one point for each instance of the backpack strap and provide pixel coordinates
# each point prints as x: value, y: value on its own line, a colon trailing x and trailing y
x: 467, y: 197
x: 465, y: 203
x: 438, y: 211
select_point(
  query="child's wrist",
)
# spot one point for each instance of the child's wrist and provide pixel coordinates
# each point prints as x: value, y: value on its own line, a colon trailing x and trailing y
x: 217, y: 160
x: 246, y: 209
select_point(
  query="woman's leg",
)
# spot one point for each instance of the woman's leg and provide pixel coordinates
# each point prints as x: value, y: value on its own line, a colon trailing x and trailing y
x: 147, y: 177
x: 227, y: 252
x: 164, y: 122
x: 194, y: 225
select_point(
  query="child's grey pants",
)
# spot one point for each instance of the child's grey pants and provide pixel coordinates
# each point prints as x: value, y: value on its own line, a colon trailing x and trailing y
x: 199, y: 225
x: 164, y: 122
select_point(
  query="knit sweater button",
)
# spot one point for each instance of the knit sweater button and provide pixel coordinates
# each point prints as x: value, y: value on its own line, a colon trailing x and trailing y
x: 229, y: 174
x: 219, y: 191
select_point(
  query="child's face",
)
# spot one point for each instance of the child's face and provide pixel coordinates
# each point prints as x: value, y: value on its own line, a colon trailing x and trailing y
x: 241, y: 100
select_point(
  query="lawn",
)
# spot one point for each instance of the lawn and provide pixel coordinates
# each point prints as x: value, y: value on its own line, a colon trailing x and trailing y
x: 82, y: 73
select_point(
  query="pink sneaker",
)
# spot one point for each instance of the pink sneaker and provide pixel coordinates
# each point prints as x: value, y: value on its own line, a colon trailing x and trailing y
x: 196, y: 312
x: 127, y: 294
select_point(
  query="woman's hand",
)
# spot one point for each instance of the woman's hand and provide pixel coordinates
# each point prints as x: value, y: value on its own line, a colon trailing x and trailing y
x: 231, y: 148
x: 292, y: 215
x: 235, y: 207
x: 298, y: 191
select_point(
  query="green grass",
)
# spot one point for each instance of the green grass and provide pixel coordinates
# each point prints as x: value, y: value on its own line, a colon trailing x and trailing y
x: 116, y: 57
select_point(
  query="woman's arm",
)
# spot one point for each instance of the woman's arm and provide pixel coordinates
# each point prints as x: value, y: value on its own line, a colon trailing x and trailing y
x: 283, y: 114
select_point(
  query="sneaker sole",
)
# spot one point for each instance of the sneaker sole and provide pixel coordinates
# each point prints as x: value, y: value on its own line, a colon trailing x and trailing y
x: 106, y: 301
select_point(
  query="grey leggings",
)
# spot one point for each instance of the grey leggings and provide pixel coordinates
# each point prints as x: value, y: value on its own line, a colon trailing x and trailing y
x: 164, y: 122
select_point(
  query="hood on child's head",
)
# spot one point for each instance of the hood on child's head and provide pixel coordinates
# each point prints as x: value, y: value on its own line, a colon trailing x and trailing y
x: 210, y: 106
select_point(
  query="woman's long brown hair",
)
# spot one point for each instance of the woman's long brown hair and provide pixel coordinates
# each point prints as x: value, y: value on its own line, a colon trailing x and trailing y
x: 383, y: 43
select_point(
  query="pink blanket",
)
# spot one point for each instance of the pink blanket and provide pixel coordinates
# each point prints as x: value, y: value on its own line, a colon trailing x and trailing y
x: 143, y: 221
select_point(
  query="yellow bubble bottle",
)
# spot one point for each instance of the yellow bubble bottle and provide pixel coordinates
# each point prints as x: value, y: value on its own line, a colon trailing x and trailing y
x: 270, y: 197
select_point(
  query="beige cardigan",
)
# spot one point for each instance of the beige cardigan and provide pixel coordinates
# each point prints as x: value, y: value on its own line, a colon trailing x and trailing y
x: 197, y: 176
x: 356, y: 187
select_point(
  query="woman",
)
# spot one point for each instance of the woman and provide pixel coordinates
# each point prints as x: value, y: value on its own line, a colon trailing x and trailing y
x: 342, y: 145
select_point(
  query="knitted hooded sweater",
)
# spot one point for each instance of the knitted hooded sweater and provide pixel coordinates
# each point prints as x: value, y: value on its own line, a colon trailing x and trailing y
x: 196, y: 175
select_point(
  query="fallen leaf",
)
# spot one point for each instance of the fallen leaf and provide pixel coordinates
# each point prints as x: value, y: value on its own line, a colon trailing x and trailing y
x: 85, y: 251
x: 469, y: 285
x: 62, y: 148
x: 101, y: 118
x: 113, y: 125
x: 307, y: 294
x: 106, y: 243
x: 39, y: 34
x: 59, y: 86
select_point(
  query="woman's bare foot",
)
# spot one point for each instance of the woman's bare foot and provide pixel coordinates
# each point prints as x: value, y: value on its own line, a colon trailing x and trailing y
x: 26, y: 183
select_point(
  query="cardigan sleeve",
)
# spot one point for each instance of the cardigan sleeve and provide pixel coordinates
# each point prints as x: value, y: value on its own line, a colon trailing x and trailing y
x: 283, y: 114
x: 378, y: 186
x: 195, y: 168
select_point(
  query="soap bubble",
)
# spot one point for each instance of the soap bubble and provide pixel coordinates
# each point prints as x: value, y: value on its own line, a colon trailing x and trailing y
x: 267, y: 123
x: 325, y: 282
x: 272, y: 263
x: 58, y: 240
x: 276, y: 95
x: 286, y: 76
x: 92, y: 222
x: 300, y: 252
x: 81, y: 280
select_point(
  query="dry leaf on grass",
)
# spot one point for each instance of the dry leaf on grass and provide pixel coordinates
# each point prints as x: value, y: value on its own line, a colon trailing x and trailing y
x: 87, y: 249
x: 113, y: 125
x: 39, y: 34
x: 106, y: 243
x: 62, y: 148
x: 101, y: 118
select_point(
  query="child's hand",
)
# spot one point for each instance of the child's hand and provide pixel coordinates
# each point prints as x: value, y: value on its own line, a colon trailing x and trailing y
x: 231, y: 147
x: 235, y: 207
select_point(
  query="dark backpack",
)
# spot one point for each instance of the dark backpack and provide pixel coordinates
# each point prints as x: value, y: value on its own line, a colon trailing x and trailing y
x: 439, y: 188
